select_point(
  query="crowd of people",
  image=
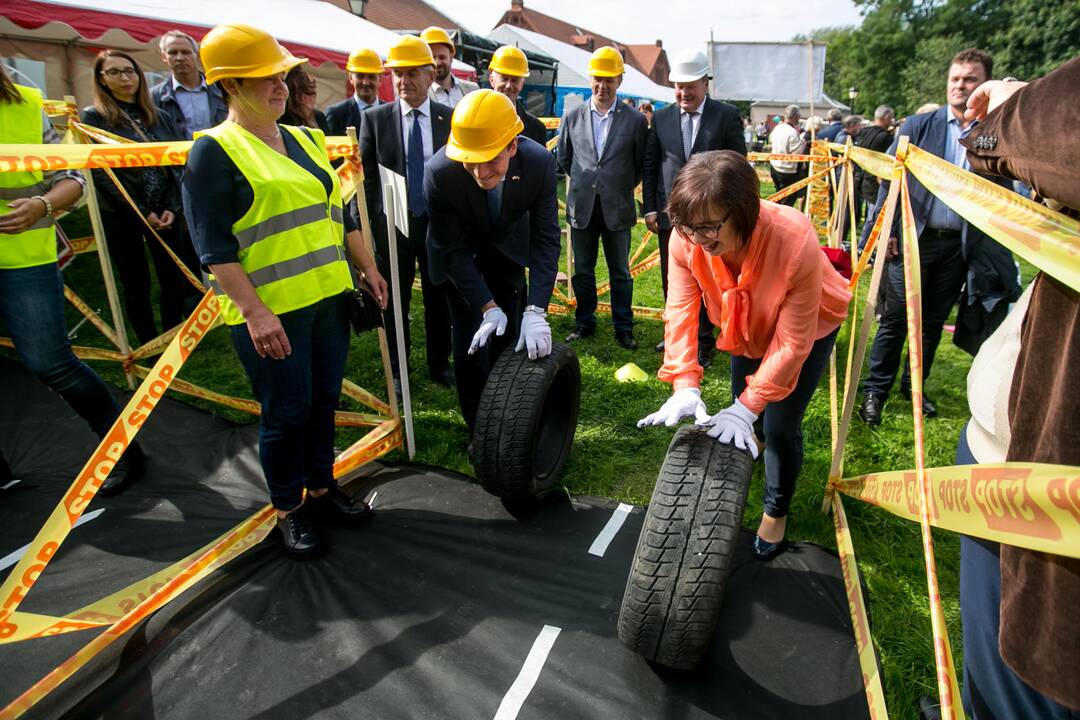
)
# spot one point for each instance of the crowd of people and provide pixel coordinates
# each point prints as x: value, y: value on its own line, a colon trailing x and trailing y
x: 258, y: 208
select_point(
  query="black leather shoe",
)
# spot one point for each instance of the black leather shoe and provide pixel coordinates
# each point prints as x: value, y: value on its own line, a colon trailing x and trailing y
x: 444, y: 377
x: 870, y: 410
x: 297, y: 537
x: 929, y: 409
x: 705, y: 356
x: 128, y: 469
x: 765, y: 551
x: 335, y: 503
x: 659, y: 347
x: 580, y: 333
x: 626, y: 340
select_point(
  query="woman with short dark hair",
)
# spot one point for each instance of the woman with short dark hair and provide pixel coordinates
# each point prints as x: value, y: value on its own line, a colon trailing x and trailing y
x: 122, y: 106
x: 778, y: 303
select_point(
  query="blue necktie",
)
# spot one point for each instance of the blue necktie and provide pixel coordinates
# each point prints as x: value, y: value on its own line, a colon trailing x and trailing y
x: 415, y: 169
x: 494, y: 203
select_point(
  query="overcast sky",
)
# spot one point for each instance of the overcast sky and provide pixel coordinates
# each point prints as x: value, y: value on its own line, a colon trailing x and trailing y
x: 679, y: 23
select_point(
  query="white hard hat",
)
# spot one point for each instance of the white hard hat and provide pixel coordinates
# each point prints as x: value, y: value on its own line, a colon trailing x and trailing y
x: 689, y: 66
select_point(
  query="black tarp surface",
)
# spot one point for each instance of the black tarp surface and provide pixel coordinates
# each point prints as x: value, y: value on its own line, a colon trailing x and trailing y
x: 429, y: 612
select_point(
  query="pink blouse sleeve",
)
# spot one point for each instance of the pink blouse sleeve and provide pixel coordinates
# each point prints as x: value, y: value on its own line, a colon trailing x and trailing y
x: 680, y: 366
x: 796, y: 326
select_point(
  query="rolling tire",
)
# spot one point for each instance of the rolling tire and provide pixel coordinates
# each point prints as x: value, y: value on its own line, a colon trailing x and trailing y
x: 525, y: 423
x: 680, y: 568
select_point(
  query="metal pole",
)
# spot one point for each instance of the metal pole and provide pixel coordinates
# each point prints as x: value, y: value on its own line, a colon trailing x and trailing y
x: 395, y: 279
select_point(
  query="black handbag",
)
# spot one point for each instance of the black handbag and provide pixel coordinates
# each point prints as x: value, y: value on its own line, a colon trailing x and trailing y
x: 364, y: 311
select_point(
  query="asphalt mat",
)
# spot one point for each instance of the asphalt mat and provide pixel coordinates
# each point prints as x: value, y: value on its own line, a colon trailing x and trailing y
x: 441, y: 608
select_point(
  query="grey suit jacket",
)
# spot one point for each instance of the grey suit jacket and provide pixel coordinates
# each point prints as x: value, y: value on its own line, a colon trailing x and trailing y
x: 613, y: 175
x: 720, y: 129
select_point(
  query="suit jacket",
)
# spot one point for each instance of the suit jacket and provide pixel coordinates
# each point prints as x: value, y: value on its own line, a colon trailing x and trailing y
x: 164, y: 97
x: 381, y: 143
x: 467, y: 86
x: 534, y: 127
x: 720, y: 129
x: 929, y: 131
x: 613, y: 175
x: 345, y: 114
x: 526, y: 232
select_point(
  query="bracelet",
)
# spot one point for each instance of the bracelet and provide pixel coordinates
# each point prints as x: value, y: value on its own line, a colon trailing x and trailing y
x: 46, y: 202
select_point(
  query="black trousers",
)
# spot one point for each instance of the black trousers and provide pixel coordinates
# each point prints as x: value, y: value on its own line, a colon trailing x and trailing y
x: 124, y: 232
x: 781, y: 180
x: 705, y: 326
x: 943, y: 273
x: 412, y: 251
x: 506, y: 281
x: 586, y: 243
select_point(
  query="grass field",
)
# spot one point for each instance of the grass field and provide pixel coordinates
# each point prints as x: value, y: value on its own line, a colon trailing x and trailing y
x: 614, y: 459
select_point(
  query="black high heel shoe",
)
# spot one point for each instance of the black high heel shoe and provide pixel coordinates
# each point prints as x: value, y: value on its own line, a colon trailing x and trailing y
x: 765, y: 551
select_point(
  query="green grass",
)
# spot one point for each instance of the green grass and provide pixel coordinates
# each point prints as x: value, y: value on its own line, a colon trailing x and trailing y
x: 613, y: 459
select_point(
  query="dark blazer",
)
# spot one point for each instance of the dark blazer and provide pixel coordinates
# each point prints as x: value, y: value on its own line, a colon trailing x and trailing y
x: 526, y: 233
x: 345, y: 114
x: 613, y: 176
x: 164, y: 96
x: 381, y: 144
x: 534, y: 127
x: 929, y: 131
x: 720, y: 129
x: 134, y: 180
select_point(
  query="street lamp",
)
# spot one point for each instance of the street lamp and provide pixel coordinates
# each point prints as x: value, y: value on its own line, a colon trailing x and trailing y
x: 358, y: 7
x: 852, y: 93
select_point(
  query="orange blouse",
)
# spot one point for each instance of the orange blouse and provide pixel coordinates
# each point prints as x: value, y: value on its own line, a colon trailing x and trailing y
x: 787, y: 296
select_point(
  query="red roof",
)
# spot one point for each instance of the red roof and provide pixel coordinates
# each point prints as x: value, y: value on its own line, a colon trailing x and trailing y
x: 530, y: 19
x: 405, y: 15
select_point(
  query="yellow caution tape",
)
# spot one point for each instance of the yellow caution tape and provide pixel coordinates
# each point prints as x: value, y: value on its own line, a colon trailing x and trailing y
x: 551, y: 123
x: 1036, y: 233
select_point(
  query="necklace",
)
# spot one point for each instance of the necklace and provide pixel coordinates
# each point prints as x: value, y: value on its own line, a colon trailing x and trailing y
x: 275, y: 136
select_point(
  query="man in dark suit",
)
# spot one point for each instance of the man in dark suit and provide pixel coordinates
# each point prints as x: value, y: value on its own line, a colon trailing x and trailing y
x: 507, y: 72
x: 184, y: 96
x: 695, y: 123
x: 601, y: 150
x: 401, y: 136
x: 944, y: 240
x: 494, y: 212
x: 365, y: 73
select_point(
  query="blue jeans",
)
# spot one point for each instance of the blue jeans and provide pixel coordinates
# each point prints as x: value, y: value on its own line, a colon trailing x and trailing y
x: 782, y: 422
x: 586, y: 242
x: 32, y: 308
x: 991, y: 688
x: 299, y: 395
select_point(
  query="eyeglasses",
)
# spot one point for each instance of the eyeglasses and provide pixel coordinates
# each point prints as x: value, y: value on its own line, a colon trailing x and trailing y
x: 708, y: 232
x: 117, y: 72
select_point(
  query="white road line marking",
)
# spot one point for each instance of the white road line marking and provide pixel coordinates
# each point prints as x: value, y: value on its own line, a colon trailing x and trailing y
x: 530, y: 671
x: 12, y: 558
x: 13, y: 482
x: 614, y: 524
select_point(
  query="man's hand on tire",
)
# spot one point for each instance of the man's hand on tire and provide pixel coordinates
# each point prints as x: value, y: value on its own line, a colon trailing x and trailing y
x: 494, y: 322
x: 735, y: 425
x: 683, y: 403
x: 535, y: 333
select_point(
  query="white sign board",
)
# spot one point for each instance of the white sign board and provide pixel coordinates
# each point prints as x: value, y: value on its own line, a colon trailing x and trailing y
x: 779, y: 72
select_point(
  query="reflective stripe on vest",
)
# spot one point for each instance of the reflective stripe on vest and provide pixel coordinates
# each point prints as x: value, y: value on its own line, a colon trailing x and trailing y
x: 291, y: 239
x: 20, y: 123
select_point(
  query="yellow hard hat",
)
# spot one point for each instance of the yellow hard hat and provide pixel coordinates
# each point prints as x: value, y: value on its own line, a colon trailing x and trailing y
x: 435, y: 35
x: 484, y: 123
x: 409, y: 51
x: 509, y: 60
x: 241, y: 51
x: 364, y: 61
x: 606, y: 62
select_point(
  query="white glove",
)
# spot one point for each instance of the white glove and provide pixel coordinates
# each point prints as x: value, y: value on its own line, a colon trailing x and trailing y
x: 494, y: 322
x: 535, y: 333
x: 735, y: 425
x: 682, y: 403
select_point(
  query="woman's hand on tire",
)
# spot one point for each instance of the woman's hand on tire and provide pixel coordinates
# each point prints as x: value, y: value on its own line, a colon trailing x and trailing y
x: 735, y: 425
x: 267, y: 334
x: 683, y: 403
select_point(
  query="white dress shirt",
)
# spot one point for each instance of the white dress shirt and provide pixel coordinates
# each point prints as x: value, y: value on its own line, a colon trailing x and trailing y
x: 425, y: 127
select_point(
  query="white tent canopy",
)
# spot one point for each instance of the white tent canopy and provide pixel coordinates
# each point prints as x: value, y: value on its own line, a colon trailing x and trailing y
x: 574, y: 63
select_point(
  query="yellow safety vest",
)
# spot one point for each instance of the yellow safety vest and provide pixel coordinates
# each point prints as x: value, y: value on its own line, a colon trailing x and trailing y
x: 291, y: 238
x: 20, y: 123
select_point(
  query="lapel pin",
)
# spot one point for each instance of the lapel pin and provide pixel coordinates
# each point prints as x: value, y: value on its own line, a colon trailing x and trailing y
x: 515, y: 177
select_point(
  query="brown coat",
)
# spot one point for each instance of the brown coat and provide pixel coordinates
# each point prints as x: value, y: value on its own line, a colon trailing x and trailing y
x: 1033, y: 138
